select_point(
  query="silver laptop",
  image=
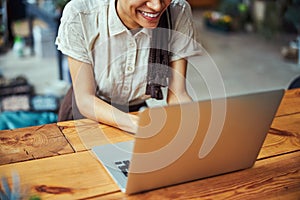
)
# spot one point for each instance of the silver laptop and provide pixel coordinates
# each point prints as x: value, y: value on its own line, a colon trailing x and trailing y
x: 180, y: 143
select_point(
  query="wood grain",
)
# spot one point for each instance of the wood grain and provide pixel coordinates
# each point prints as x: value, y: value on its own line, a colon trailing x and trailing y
x: 274, y: 178
x: 290, y: 104
x: 283, y: 137
x: 71, y: 176
x: 32, y: 143
x: 85, y: 134
x: 80, y: 175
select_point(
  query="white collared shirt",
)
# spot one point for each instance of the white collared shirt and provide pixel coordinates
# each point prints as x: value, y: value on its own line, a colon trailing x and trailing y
x: 91, y: 32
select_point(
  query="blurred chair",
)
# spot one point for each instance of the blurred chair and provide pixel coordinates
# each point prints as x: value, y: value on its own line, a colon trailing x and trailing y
x: 295, y: 83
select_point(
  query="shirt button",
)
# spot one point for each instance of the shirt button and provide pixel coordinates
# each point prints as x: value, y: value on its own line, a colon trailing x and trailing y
x: 130, y: 69
x: 131, y: 44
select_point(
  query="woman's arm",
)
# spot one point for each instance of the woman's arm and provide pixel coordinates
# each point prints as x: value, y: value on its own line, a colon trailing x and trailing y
x: 93, y: 107
x: 177, y: 92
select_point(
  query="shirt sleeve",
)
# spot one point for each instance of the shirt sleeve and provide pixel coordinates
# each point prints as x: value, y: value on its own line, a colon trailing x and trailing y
x: 183, y: 42
x: 70, y: 38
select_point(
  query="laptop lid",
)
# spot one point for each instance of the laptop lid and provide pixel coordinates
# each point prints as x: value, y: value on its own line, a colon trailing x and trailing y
x: 180, y: 143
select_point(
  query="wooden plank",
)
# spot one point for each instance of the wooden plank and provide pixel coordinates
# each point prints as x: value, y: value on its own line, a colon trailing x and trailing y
x: 71, y: 176
x: 290, y: 103
x: 84, y: 134
x: 80, y: 122
x: 70, y: 130
x: 32, y: 143
x: 274, y: 178
x: 81, y: 176
x: 283, y: 137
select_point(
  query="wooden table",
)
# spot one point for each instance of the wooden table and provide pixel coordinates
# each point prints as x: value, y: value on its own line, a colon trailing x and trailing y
x: 53, y: 163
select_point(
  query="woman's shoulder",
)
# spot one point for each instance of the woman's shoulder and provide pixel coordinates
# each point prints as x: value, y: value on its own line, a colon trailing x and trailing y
x: 180, y: 3
x: 84, y: 6
x: 179, y: 9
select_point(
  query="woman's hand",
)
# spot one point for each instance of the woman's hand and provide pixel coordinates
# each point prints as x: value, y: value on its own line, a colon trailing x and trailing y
x: 129, y: 123
x: 178, y: 98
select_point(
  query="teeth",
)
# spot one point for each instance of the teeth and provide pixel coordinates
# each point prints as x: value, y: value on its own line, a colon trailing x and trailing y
x: 150, y: 14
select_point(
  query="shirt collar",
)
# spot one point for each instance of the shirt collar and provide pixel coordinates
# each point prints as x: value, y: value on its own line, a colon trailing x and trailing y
x: 115, y: 23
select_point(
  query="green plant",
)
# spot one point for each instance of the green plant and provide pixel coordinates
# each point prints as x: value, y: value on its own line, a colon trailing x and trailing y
x: 237, y: 10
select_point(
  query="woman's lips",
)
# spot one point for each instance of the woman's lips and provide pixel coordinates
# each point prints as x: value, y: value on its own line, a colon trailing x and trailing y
x: 150, y: 16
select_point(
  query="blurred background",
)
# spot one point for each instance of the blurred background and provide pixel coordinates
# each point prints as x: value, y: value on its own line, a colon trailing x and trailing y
x: 254, y: 45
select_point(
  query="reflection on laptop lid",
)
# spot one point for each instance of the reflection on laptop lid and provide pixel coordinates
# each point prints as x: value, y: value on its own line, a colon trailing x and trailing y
x: 180, y: 143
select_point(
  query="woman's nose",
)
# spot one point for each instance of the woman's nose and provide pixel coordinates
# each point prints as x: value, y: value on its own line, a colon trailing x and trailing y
x: 155, y: 5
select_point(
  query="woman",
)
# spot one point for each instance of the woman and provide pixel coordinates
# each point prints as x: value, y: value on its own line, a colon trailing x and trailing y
x: 109, y: 44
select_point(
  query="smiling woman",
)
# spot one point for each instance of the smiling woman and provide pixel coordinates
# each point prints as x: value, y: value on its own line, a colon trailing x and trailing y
x: 118, y: 57
x: 141, y: 13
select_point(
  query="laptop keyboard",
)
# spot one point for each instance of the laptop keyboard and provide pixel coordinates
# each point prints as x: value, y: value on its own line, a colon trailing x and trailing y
x: 123, y: 166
